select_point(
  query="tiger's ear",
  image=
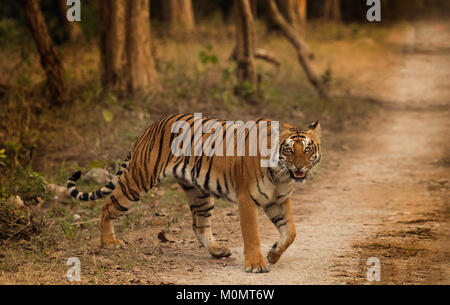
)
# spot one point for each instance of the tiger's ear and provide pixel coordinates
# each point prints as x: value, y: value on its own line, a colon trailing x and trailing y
x: 284, y: 127
x: 315, y: 127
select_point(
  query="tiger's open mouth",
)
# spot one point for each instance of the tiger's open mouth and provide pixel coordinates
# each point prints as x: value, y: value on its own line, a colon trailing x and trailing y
x: 298, y: 175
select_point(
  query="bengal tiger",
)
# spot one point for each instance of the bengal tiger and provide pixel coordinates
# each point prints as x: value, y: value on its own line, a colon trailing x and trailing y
x: 241, y: 179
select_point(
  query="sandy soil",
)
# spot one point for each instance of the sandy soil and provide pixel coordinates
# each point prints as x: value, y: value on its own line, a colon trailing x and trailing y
x: 384, y: 194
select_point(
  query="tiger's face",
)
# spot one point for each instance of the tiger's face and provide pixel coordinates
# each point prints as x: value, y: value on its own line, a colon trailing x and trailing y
x: 299, y: 150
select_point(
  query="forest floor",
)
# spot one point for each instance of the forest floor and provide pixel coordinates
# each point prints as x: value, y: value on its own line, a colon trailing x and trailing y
x: 384, y: 193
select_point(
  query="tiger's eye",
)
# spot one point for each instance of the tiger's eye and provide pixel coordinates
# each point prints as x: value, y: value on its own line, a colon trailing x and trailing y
x: 288, y: 149
x: 308, y: 149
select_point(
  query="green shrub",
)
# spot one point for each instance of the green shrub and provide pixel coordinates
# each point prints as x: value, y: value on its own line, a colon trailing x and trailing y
x: 23, y: 182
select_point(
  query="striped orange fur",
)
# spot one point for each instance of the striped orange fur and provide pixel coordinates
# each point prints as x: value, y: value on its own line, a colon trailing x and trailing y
x: 237, y: 178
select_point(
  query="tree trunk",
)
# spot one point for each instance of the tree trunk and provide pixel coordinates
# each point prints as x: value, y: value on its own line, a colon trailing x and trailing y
x: 337, y: 10
x: 332, y: 10
x: 49, y: 59
x: 112, y: 44
x: 300, y: 45
x: 254, y: 8
x: 179, y: 15
x: 245, y: 47
x: 72, y: 30
x: 294, y: 11
x: 141, y: 73
x: 302, y: 9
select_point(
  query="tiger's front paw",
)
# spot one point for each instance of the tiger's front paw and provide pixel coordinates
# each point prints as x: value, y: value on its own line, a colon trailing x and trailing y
x: 273, y: 256
x: 113, y: 244
x: 256, y: 264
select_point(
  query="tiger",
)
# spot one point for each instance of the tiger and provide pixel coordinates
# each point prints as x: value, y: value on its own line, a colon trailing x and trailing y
x: 237, y: 178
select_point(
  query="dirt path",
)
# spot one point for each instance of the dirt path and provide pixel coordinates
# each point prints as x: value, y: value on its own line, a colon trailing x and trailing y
x: 385, y: 193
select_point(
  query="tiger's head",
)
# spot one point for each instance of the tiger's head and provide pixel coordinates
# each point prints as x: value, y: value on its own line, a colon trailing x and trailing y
x: 299, y: 150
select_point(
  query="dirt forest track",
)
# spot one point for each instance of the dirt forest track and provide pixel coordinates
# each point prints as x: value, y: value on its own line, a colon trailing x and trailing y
x: 384, y: 193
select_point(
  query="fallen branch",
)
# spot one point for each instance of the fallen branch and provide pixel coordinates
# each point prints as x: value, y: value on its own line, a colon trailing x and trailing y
x: 267, y: 56
x: 262, y: 54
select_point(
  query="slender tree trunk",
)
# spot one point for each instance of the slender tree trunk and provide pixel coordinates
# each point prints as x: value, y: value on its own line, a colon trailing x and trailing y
x: 141, y: 73
x: 72, y: 30
x: 302, y: 9
x: 337, y: 10
x: 300, y: 45
x: 179, y: 15
x: 245, y: 47
x: 332, y: 10
x: 49, y: 58
x: 254, y: 7
x: 327, y: 9
x: 112, y: 44
x: 294, y: 11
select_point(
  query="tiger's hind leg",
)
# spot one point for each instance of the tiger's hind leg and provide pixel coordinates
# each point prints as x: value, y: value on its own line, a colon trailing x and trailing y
x: 201, y: 205
x: 112, y: 209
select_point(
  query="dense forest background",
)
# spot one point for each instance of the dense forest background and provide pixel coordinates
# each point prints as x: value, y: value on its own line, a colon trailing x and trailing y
x: 76, y: 68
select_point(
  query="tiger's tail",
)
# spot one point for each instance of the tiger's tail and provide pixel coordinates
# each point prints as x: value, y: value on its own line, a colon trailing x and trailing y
x: 100, y: 193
